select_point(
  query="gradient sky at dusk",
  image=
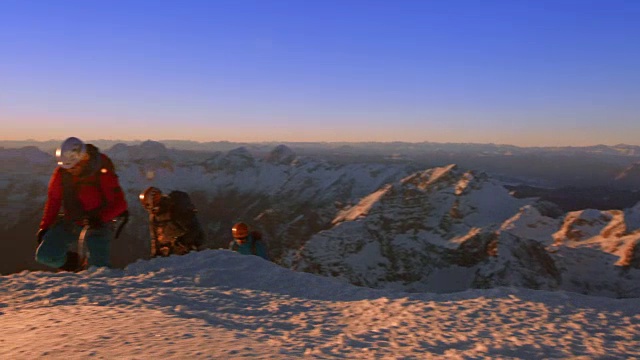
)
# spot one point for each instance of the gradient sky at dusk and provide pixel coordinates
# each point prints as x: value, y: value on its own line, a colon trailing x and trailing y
x: 549, y: 72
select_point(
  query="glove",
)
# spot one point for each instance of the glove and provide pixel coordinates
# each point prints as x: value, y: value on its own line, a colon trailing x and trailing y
x: 93, y: 222
x: 40, y: 235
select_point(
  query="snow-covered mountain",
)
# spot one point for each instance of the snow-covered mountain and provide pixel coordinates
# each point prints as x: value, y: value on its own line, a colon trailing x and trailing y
x: 378, y: 224
x: 444, y: 223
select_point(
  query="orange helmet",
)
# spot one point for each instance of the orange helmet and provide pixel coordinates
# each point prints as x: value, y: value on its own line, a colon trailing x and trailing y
x: 150, y: 198
x: 240, y: 230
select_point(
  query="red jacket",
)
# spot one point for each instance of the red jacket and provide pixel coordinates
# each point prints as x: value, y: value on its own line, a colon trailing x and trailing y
x: 91, y: 196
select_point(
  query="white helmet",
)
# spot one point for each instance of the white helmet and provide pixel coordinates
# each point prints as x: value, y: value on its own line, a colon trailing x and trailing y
x: 70, y: 152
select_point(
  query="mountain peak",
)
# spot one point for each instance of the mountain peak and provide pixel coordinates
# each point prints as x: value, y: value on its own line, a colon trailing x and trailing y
x: 281, y: 154
x: 150, y: 146
x: 241, y: 151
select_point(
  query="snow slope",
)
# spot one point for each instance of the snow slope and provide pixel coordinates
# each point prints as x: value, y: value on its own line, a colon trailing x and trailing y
x: 218, y: 304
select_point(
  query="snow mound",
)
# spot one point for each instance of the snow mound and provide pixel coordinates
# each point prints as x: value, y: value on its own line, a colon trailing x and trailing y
x: 218, y: 304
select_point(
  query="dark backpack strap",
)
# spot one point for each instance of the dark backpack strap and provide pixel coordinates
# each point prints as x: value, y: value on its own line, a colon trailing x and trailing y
x: 254, y: 249
x: 125, y: 220
x: 70, y: 200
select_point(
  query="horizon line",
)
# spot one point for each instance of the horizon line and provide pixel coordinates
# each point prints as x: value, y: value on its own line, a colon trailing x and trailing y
x: 328, y: 142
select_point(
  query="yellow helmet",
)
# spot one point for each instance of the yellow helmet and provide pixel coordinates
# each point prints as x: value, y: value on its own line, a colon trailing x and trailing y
x: 240, y: 230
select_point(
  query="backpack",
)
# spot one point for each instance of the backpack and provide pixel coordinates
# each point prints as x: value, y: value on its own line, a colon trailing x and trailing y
x: 181, y: 208
x: 177, y: 218
x: 256, y: 237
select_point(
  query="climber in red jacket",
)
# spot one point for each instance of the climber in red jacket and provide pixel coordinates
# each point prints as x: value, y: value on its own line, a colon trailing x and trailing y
x: 86, y: 187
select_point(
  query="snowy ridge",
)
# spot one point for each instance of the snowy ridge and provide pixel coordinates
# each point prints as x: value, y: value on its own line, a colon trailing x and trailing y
x: 362, y: 208
x: 529, y: 223
x: 218, y: 304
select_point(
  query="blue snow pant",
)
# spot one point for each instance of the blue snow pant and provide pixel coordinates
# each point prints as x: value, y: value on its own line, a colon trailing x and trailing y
x: 62, y: 237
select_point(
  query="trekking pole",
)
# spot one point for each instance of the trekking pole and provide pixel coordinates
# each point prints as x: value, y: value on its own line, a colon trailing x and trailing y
x: 82, y: 253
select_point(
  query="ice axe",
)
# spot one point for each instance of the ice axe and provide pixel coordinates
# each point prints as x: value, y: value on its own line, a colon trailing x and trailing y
x: 83, y: 252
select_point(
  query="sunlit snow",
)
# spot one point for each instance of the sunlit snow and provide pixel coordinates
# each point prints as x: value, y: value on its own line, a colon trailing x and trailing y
x: 220, y: 305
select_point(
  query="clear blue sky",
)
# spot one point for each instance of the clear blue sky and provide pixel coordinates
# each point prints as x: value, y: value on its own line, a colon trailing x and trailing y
x: 512, y: 71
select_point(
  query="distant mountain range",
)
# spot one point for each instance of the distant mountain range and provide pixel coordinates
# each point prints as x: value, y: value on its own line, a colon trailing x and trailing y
x: 374, y: 217
x: 359, y: 148
x: 547, y: 167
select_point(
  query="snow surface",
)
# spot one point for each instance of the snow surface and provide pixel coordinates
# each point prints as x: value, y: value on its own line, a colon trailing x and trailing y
x: 217, y: 304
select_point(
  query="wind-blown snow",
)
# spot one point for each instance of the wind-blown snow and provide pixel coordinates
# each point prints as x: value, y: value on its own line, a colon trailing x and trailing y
x: 218, y: 304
